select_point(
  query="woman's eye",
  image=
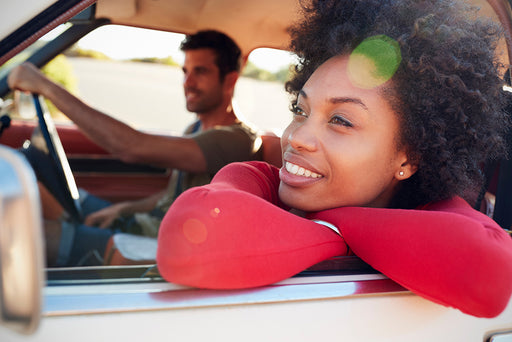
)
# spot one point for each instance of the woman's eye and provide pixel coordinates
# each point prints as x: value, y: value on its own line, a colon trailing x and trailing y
x: 338, y: 120
x: 296, y: 110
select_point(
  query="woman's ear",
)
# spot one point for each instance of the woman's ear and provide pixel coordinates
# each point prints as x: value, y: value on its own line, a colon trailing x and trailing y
x: 406, y: 170
x: 406, y: 164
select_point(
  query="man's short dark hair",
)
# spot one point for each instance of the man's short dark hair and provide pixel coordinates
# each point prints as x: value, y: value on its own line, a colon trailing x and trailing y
x: 227, y: 51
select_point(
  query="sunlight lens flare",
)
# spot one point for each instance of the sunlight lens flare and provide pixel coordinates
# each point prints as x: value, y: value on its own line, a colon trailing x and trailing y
x: 195, y: 231
x: 374, y: 61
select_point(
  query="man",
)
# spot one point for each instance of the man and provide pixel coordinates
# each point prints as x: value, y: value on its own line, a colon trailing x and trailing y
x: 211, y: 69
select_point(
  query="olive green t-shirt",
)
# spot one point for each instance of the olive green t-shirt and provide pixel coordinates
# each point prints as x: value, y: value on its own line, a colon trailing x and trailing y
x: 220, y: 145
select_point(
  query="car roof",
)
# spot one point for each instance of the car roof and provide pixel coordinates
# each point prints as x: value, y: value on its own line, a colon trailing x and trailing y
x: 252, y: 24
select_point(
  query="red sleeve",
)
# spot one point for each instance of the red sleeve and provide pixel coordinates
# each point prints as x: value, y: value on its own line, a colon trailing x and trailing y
x: 234, y: 233
x: 447, y: 252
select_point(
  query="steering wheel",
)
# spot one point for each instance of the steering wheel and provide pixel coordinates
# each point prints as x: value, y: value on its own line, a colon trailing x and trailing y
x: 51, y: 164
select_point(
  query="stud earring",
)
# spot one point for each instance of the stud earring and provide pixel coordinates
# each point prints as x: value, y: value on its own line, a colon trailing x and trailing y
x: 401, y: 173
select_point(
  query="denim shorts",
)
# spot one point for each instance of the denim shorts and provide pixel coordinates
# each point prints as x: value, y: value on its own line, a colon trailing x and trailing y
x: 81, y: 245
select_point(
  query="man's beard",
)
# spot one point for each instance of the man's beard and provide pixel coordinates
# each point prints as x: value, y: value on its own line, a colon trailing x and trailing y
x: 201, y: 103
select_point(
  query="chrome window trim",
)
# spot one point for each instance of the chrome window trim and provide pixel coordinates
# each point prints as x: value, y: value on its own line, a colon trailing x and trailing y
x: 65, y: 300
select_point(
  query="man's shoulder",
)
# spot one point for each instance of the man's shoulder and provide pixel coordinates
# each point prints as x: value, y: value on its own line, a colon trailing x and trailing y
x: 247, y: 129
x: 238, y: 129
x: 222, y: 145
x: 241, y: 126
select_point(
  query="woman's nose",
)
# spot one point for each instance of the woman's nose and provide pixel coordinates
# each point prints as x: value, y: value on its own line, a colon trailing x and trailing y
x: 303, y: 136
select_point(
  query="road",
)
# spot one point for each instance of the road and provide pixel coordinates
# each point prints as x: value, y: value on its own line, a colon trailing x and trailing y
x: 150, y: 96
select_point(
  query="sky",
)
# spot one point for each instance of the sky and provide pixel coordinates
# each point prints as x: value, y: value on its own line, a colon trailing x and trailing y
x: 120, y: 42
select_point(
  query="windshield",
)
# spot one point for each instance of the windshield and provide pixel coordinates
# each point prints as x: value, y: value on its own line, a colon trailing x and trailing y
x: 25, y: 54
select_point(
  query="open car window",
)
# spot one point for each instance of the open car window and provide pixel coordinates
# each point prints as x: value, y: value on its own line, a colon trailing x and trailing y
x: 144, y: 89
x: 28, y: 52
x: 119, y: 71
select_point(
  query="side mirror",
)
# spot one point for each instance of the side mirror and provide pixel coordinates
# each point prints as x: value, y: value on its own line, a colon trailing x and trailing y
x: 21, y: 244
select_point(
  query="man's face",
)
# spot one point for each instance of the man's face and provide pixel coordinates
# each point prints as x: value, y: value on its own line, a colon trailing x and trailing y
x: 202, y: 85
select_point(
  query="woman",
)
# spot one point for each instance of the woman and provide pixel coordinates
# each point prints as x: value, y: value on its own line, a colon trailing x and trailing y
x: 397, y: 105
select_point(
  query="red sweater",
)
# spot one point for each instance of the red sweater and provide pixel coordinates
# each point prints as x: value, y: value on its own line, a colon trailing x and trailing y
x: 235, y: 233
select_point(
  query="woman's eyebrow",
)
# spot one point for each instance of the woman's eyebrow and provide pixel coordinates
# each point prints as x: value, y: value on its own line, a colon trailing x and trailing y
x: 341, y: 99
x: 336, y: 100
x: 303, y: 94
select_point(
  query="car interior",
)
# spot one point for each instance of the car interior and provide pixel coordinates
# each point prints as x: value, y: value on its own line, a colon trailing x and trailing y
x: 252, y: 25
x: 69, y: 151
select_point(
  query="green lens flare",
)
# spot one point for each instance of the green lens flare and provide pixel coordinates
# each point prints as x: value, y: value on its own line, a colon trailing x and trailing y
x: 374, y: 61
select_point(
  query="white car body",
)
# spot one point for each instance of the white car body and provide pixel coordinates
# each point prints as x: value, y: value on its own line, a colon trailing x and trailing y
x: 336, y: 308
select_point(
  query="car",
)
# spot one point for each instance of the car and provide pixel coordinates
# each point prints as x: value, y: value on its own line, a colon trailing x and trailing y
x: 341, y: 298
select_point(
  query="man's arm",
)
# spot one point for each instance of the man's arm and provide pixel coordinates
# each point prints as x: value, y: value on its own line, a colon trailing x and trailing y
x: 116, y: 137
x: 103, y: 218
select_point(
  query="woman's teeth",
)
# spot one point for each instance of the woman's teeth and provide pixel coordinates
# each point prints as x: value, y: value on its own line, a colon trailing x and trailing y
x: 300, y: 171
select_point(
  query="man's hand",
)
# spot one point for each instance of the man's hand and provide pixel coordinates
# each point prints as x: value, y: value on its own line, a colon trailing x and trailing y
x: 103, y: 218
x: 26, y: 77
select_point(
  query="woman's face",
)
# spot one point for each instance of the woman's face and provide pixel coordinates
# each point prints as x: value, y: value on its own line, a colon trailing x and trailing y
x: 341, y: 147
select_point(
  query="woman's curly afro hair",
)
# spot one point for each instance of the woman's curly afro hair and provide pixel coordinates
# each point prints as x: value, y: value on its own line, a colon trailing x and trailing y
x: 447, y: 91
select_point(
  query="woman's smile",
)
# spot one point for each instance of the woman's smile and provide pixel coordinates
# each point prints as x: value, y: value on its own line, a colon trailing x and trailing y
x: 295, y: 175
x: 300, y: 171
x: 297, y: 171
